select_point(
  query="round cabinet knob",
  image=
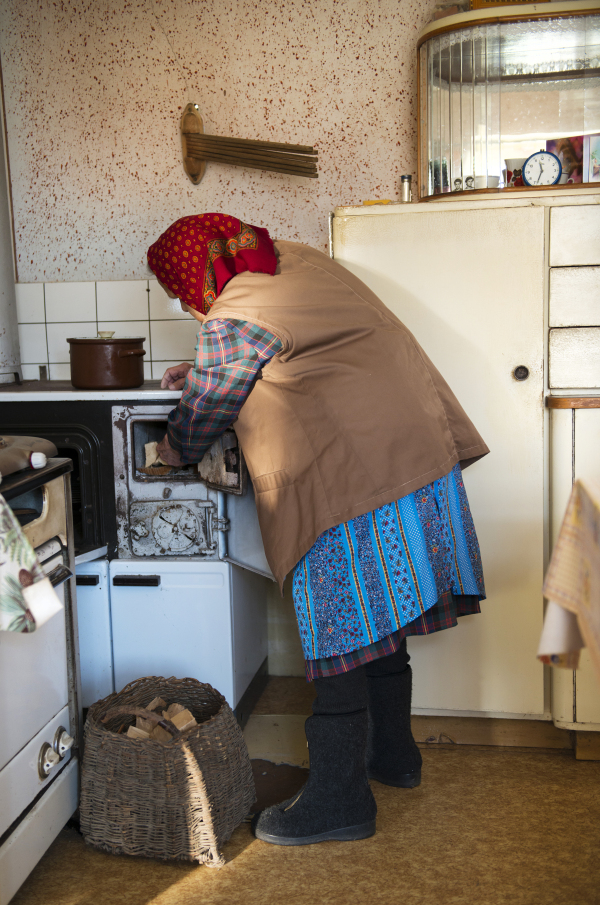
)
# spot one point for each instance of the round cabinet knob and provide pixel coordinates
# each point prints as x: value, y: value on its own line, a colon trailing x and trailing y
x: 521, y: 373
x: 47, y: 760
x: 62, y: 741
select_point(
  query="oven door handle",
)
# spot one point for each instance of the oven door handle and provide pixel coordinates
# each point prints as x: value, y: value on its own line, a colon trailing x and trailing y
x: 136, y: 581
x: 59, y: 575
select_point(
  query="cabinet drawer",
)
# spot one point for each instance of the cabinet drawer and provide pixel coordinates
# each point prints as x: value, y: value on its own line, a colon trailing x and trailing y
x: 575, y: 235
x: 33, y: 681
x: 38, y: 830
x: 20, y: 781
x: 574, y: 355
x: 575, y: 297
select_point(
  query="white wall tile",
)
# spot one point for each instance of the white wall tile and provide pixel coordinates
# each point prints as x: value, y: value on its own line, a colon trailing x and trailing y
x: 59, y: 372
x: 147, y: 370
x: 159, y: 367
x: 30, y: 303
x: 161, y: 306
x: 174, y: 340
x: 122, y: 300
x: 58, y: 347
x: 32, y: 372
x: 70, y: 302
x: 32, y: 340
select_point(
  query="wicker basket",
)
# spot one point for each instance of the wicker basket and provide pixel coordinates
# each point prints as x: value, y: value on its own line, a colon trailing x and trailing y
x: 177, y: 799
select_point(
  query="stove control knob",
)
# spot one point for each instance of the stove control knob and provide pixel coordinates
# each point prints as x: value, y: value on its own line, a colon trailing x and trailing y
x: 47, y: 760
x: 62, y: 742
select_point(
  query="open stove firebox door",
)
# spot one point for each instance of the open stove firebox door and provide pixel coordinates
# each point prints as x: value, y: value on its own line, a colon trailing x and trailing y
x: 202, y: 510
x: 243, y: 541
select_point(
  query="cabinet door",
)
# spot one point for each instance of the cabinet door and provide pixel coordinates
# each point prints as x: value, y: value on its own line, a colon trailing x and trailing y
x: 587, y: 465
x: 470, y: 285
x: 95, y: 639
x: 574, y: 454
x: 172, y: 619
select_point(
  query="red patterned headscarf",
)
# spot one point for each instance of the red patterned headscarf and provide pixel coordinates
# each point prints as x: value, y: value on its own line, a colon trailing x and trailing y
x: 197, y: 256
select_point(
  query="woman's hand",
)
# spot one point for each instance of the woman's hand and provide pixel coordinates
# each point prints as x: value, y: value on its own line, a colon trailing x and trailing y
x: 174, y: 378
x: 167, y: 454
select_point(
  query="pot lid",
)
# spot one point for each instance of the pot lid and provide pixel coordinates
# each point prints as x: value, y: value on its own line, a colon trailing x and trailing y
x: 100, y: 340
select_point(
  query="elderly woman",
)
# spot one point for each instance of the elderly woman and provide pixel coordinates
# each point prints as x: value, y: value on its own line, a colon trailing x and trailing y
x: 355, y: 445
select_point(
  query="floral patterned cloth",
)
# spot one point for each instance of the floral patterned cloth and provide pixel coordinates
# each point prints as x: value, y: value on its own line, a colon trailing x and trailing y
x: 197, y: 256
x: 367, y: 578
x: 19, y: 570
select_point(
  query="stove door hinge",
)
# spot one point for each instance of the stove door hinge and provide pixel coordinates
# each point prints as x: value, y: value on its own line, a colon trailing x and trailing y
x: 221, y: 524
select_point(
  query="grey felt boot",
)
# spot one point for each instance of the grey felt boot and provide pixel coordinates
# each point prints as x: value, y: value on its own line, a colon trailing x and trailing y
x: 393, y: 757
x: 336, y: 802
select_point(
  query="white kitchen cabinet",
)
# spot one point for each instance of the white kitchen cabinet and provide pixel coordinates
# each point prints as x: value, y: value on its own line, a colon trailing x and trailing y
x: 575, y: 453
x: 95, y: 631
x: 204, y: 620
x: 470, y: 279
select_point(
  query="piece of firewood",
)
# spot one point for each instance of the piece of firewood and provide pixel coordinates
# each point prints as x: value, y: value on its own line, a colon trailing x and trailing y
x: 160, y: 734
x: 135, y: 732
x: 184, y: 720
x: 144, y: 725
x: 173, y: 710
x: 157, y: 702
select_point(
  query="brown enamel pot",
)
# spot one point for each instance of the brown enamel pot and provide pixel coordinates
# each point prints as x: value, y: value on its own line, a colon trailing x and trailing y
x: 107, y: 364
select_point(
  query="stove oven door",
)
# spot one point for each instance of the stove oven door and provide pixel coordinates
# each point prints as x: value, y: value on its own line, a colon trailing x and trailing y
x: 242, y: 541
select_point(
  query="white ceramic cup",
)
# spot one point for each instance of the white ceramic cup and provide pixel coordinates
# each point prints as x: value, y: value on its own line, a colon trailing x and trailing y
x: 512, y: 164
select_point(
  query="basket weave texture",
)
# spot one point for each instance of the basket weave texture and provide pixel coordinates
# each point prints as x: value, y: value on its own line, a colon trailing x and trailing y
x: 177, y: 799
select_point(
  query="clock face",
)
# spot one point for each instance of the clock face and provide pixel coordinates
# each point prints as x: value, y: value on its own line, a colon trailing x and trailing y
x: 542, y: 168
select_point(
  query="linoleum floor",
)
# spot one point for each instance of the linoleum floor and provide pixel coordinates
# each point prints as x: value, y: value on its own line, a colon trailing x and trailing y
x: 487, y: 826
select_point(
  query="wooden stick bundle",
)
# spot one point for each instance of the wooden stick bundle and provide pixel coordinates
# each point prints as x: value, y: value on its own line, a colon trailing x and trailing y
x: 275, y: 156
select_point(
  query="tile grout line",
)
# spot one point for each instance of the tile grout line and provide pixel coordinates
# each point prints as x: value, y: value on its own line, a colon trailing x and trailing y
x: 46, y: 333
x: 149, y: 329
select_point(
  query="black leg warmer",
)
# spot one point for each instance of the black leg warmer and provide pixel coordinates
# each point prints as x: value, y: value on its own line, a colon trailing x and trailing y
x: 393, y: 757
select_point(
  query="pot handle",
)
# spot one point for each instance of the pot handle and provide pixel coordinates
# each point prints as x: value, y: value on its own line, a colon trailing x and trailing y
x: 125, y: 353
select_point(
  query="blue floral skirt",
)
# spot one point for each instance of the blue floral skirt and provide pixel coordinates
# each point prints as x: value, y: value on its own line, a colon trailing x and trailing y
x: 367, y: 578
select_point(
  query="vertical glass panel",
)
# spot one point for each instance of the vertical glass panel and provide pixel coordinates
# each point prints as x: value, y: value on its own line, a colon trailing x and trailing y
x: 431, y: 111
x: 445, y: 116
x: 466, y: 110
x: 423, y: 106
x: 454, y: 78
x: 495, y: 162
x: 591, y: 98
x: 480, y: 106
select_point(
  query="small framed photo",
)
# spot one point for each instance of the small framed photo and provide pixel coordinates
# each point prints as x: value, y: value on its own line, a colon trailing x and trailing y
x: 570, y: 153
x: 591, y: 158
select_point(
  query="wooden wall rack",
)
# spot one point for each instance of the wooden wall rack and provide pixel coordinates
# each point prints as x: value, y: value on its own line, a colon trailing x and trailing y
x: 278, y: 157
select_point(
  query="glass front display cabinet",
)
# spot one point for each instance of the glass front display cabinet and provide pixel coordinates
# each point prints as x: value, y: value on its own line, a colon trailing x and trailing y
x: 509, y: 99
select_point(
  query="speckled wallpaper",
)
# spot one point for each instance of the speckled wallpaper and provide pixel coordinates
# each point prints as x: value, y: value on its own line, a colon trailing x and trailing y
x: 94, y: 91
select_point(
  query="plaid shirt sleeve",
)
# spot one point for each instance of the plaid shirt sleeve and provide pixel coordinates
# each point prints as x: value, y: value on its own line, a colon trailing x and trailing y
x: 229, y: 355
